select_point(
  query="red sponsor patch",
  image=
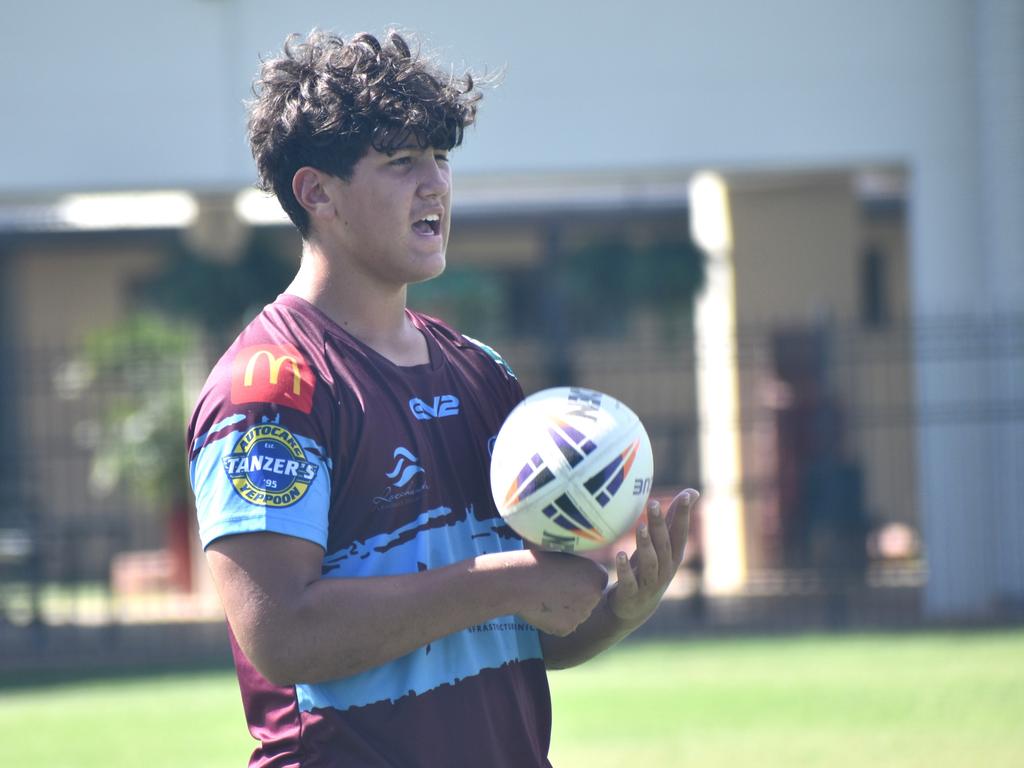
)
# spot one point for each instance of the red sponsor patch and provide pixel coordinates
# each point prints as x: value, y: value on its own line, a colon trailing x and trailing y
x: 272, y: 373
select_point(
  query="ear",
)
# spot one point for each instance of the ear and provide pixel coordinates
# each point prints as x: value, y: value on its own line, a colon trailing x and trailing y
x: 309, y: 188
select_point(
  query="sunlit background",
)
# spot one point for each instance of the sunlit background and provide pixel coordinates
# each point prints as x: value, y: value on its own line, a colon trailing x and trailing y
x: 790, y: 235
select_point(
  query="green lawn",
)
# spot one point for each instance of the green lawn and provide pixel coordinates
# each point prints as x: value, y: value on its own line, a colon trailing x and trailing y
x: 930, y: 700
x: 937, y: 699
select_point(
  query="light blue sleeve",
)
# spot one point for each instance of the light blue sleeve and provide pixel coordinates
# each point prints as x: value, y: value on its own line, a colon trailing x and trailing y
x: 260, y: 477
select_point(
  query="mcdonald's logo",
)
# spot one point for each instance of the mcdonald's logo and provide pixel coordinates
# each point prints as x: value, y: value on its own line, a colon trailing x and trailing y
x: 272, y: 373
x: 276, y: 364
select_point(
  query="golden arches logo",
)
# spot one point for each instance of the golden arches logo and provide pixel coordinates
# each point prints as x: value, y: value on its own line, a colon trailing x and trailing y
x: 259, y: 376
x: 275, y: 363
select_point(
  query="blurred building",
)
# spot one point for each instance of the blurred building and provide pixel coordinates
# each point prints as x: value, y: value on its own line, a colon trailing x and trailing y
x: 874, y: 157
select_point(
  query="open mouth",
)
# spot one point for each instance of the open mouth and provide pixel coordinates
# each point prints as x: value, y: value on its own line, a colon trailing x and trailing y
x: 428, y: 225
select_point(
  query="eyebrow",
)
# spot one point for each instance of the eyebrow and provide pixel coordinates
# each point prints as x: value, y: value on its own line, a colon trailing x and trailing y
x: 417, y: 148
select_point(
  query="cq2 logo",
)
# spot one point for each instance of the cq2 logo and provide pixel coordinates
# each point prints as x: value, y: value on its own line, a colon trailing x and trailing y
x: 443, y: 405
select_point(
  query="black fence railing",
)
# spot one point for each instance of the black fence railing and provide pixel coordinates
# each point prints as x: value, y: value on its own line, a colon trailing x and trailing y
x: 95, y: 528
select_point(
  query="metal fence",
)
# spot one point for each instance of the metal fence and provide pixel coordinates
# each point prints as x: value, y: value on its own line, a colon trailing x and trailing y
x: 96, y: 534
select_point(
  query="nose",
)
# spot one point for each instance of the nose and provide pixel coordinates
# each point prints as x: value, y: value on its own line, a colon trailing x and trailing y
x: 436, y: 179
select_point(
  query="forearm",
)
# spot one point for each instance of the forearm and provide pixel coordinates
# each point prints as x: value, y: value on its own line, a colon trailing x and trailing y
x: 296, y: 626
x: 340, y: 627
x: 598, y: 633
x: 314, y: 629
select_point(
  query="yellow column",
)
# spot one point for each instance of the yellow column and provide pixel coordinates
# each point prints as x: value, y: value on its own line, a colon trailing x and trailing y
x: 718, y: 390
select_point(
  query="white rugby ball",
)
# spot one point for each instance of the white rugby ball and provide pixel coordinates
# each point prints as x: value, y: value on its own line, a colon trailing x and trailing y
x: 571, y: 469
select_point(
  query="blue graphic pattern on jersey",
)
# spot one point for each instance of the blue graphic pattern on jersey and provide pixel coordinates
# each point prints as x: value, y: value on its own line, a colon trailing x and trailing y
x: 445, y: 661
x: 223, y: 424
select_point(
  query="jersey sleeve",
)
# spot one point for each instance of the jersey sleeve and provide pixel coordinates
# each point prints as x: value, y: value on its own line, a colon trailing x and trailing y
x: 259, y: 453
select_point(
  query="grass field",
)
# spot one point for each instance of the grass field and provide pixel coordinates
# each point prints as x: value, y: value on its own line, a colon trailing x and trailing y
x: 935, y: 699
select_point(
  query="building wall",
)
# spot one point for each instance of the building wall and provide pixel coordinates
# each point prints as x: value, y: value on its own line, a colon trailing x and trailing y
x: 928, y: 84
x: 791, y: 83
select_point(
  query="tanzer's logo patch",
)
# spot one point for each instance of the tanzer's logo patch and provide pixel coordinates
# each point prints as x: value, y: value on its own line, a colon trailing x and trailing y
x: 269, y: 467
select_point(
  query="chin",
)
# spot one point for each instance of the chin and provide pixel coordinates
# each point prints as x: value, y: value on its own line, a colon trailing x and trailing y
x: 428, y: 268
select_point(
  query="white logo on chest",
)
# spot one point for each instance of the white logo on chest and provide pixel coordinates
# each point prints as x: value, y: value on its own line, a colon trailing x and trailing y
x: 401, y: 476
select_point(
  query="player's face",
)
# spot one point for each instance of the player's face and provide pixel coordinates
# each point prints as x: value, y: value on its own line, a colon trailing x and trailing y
x: 394, y: 214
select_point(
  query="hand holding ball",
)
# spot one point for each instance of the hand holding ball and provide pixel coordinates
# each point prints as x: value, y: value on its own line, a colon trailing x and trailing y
x: 571, y: 469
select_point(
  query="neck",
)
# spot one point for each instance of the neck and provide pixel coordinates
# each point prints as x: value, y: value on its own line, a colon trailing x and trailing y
x: 371, y: 311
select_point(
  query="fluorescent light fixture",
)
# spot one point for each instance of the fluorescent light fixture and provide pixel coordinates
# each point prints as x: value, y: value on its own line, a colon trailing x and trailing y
x: 259, y: 208
x: 128, y: 210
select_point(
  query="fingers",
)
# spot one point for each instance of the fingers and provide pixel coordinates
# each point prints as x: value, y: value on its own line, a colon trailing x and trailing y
x: 659, y: 548
x: 679, y: 521
x: 661, y: 541
x: 627, y: 586
x: 646, y: 557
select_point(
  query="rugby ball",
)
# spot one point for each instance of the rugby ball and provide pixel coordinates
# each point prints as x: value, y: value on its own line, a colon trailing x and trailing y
x: 571, y: 469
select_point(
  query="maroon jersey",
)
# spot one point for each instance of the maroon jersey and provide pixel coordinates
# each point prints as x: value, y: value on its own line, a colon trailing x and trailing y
x: 303, y: 430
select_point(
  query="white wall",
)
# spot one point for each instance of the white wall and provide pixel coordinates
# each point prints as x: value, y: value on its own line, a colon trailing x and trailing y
x: 117, y: 93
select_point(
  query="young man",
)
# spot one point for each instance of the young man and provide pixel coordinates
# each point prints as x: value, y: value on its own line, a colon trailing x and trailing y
x: 380, y: 612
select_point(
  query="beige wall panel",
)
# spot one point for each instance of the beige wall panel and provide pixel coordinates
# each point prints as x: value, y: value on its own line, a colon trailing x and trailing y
x: 799, y: 244
x: 795, y: 249
x: 63, y: 293
x: 881, y: 385
x: 795, y: 246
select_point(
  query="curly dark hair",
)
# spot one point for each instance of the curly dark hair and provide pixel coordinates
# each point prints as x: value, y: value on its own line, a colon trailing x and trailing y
x: 324, y: 102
